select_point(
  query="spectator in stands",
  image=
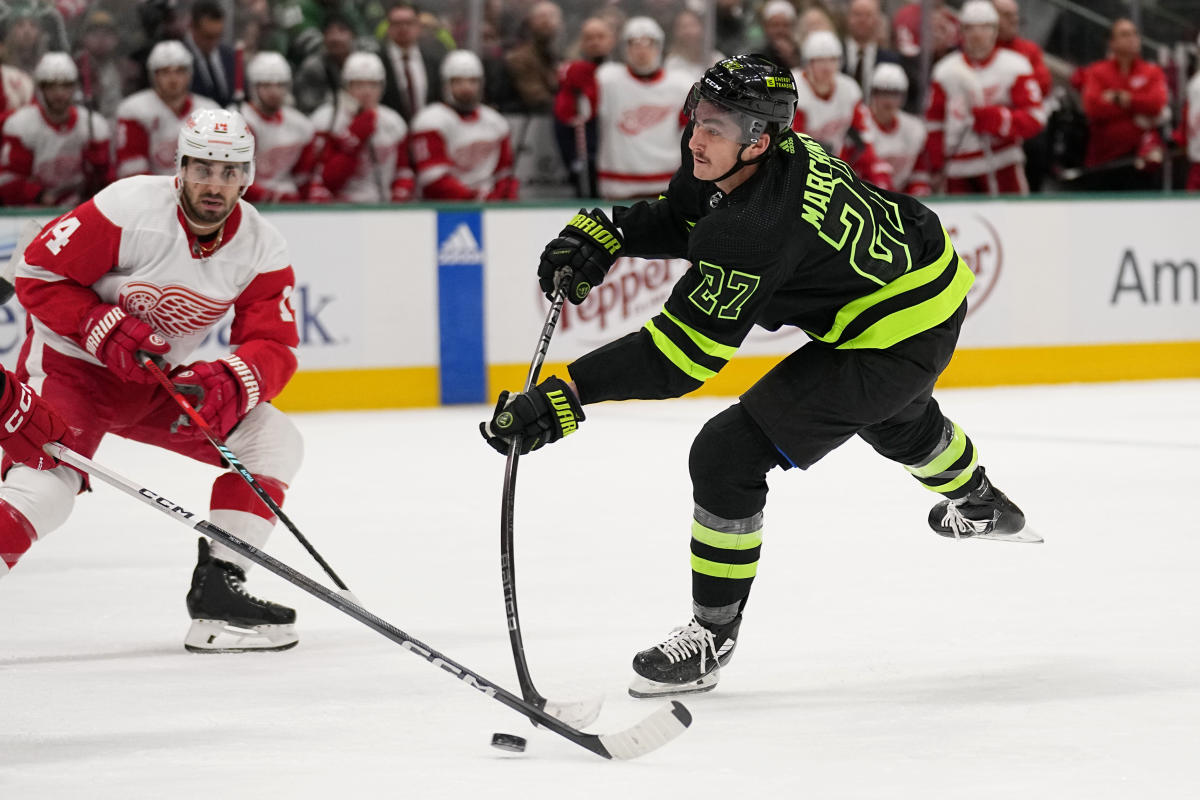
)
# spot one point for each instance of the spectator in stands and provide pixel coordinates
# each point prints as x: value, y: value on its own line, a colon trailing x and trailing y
x: 98, y: 56
x: 639, y: 117
x: 24, y: 38
x: 212, y: 67
x: 906, y: 37
x: 461, y: 148
x: 985, y: 102
x: 319, y: 76
x: 362, y: 145
x: 897, y: 136
x: 813, y: 18
x: 575, y: 104
x: 779, y: 34
x: 160, y: 21
x: 411, y: 62
x: 148, y: 121
x: 54, y: 153
x: 730, y: 26
x: 284, y: 146
x: 864, y: 28
x: 1124, y: 98
x: 685, y: 50
x: 1037, y: 147
x: 16, y: 90
x: 533, y: 64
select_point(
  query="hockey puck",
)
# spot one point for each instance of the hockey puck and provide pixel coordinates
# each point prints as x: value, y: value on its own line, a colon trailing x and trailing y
x: 509, y: 742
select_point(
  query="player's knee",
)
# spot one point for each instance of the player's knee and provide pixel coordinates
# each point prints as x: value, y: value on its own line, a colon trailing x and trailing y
x: 44, y: 497
x: 268, y: 443
x: 729, y: 461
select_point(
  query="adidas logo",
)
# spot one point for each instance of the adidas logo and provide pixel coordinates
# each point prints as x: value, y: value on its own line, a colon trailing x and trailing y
x: 460, y: 247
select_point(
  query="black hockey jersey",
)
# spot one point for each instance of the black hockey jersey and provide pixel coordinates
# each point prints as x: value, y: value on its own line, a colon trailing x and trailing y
x: 803, y: 242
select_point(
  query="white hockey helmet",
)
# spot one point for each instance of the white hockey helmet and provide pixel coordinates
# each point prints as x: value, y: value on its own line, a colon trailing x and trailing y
x: 889, y: 77
x: 779, y: 8
x: 642, y: 28
x: 268, y: 67
x: 461, y: 64
x: 979, y: 12
x: 216, y: 134
x: 55, y: 68
x: 169, y: 53
x: 821, y: 44
x: 362, y: 66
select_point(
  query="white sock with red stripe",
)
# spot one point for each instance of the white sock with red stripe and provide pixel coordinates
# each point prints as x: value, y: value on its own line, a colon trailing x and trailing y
x: 237, y: 509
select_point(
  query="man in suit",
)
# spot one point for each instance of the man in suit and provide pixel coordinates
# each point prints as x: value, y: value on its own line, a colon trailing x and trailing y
x: 213, y: 72
x: 410, y: 62
x: 864, y: 26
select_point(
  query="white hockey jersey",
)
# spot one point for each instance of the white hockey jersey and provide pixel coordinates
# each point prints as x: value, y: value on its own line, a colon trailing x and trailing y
x: 1193, y: 119
x: 459, y: 157
x: 639, y: 122
x: 148, y: 130
x: 129, y: 246
x: 828, y: 118
x: 38, y: 156
x: 901, y: 145
x: 376, y: 173
x: 283, y: 153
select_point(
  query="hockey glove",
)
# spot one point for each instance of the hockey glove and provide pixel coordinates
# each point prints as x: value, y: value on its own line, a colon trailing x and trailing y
x: 26, y: 424
x: 994, y: 120
x: 544, y: 414
x: 121, y: 342
x: 362, y: 127
x: 588, y: 246
x: 221, y: 391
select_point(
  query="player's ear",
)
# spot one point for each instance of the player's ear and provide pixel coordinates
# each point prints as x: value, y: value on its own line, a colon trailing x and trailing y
x: 758, y: 148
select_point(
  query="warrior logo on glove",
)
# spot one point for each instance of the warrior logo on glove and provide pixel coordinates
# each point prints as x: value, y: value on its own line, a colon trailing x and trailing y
x: 544, y: 414
x: 580, y: 256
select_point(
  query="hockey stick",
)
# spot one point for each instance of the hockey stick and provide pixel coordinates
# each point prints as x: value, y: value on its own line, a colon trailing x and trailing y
x: 578, y: 713
x: 651, y: 733
x: 240, y: 468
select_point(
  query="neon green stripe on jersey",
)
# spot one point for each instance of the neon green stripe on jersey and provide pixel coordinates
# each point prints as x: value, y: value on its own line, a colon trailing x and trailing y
x: 943, y: 460
x: 712, y: 568
x: 709, y: 346
x: 901, y: 324
x: 726, y: 541
x: 677, y: 356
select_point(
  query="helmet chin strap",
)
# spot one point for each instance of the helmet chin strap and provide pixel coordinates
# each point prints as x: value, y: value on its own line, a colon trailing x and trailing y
x: 739, y: 164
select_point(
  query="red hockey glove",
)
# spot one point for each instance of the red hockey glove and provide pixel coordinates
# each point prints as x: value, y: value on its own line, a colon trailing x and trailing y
x: 26, y: 424
x: 121, y: 342
x: 995, y: 120
x: 222, y: 391
x: 363, y: 125
x: 544, y: 414
x: 588, y: 246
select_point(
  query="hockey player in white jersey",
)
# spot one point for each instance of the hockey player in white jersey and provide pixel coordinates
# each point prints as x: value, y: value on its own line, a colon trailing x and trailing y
x: 148, y: 268
x: 461, y: 148
x: 1190, y: 132
x: 639, y: 116
x: 148, y: 121
x: 362, y: 146
x: 897, y: 136
x: 283, y: 137
x: 54, y: 152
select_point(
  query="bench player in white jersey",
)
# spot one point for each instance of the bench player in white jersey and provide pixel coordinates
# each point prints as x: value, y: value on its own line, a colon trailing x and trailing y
x: 148, y: 268
x: 148, y: 121
x: 283, y: 137
x: 638, y: 116
x: 461, y: 148
x: 984, y: 102
x: 362, y: 146
x: 54, y: 152
x: 830, y: 108
x: 897, y: 136
x: 1191, y: 130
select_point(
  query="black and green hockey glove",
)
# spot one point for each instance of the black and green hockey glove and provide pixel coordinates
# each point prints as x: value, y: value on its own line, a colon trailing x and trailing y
x: 588, y: 246
x: 544, y: 414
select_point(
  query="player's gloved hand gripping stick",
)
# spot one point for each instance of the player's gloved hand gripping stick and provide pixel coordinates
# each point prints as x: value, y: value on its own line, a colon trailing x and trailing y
x: 155, y: 370
x: 581, y: 254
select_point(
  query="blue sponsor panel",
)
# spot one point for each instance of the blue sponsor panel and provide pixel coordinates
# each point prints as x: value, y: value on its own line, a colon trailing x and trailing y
x: 463, y: 374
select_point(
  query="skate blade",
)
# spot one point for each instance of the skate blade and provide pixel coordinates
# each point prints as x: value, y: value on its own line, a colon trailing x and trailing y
x: 644, y: 687
x: 217, y: 636
x: 1023, y: 536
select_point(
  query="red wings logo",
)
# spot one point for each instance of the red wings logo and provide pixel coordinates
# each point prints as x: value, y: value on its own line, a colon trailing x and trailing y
x: 221, y: 127
x: 642, y: 118
x: 174, y: 311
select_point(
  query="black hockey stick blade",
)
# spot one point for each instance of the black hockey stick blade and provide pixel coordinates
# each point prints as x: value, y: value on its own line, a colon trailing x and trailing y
x: 651, y: 733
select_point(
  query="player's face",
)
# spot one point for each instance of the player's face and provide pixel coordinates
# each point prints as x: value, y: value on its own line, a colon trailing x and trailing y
x: 466, y: 92
x: 886, y: 104
x: 596, y: 40
x: 57, y: 97
x: 821, y: 71
x: 642, y: 55
x: 365, y: 93
x: 171, y: 83
x: 210, y: 189
x: 715, y: 142
x: 978, y: 40
x: 271, y: 96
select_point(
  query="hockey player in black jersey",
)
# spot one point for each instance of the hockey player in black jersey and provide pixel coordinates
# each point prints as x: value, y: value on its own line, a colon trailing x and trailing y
x: 778, y: 233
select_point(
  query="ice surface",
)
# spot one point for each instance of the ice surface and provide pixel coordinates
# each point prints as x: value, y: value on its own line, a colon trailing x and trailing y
x: 877, y: 659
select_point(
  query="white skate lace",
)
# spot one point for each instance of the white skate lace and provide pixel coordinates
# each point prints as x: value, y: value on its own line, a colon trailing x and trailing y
x: 687, y: 641
x: 955, y: 521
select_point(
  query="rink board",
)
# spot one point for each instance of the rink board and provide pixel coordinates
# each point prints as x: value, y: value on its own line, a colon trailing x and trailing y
x: 438, y: 304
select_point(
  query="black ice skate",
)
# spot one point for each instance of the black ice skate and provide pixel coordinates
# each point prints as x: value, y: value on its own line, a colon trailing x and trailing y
x: 985, y: 513
x: 688, y: 662
x: 227, y: 619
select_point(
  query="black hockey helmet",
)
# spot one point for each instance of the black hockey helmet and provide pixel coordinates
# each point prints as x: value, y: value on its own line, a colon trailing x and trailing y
x: 759, y: 93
